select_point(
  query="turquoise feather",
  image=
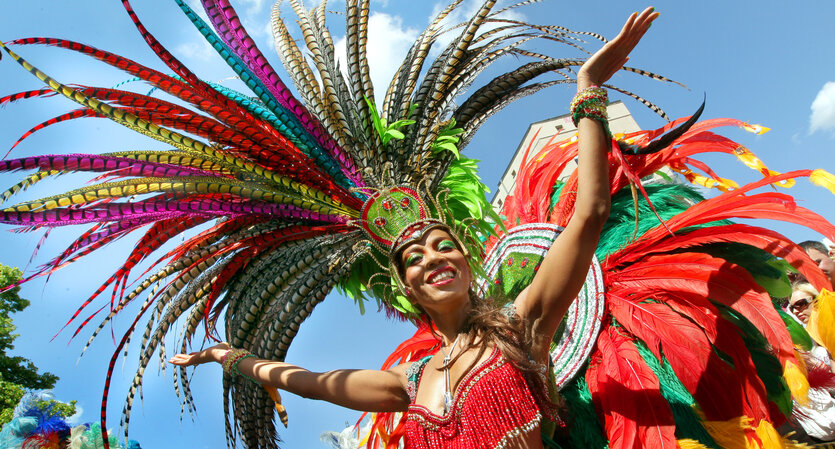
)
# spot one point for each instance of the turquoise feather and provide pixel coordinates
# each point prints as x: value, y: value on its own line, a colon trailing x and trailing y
x: 287, y: 124
x: 306, y: 145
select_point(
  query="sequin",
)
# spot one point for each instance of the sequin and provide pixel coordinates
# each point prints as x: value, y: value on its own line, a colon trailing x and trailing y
x: 492, y: 406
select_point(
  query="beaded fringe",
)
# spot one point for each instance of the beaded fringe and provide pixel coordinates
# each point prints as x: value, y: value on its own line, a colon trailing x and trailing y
x: 519, y: 431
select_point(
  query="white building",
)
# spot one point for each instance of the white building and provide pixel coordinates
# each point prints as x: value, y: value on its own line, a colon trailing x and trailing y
x: 620, y: 121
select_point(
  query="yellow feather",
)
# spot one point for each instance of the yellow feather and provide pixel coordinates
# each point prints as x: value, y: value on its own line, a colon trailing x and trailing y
x: 769, y: 436
x: 771, y: 439
x: 690, y: 444
x: 824, y: 179
x: 822, y: 322
x: 276, y: 398
x: 731, y: 434
x: 797, y: 382
x: 756, y: 129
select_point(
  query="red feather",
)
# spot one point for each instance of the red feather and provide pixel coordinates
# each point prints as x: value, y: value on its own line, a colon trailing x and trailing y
x: 712, y: 381
x: 726, y: 283
x: 627, y: 394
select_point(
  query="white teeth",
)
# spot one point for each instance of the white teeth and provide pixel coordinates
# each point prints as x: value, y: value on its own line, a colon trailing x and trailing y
x: 446, y: 274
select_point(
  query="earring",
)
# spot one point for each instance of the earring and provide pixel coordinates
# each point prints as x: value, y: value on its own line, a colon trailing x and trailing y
x: 408, y: 291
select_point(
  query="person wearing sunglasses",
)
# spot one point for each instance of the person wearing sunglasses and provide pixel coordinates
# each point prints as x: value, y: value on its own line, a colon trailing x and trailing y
x: 813, y: 422
x: 800, y: 303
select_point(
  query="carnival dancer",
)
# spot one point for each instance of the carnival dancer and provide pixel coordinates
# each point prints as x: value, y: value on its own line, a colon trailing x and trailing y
x: 487, y: 386
x: 682, y: 346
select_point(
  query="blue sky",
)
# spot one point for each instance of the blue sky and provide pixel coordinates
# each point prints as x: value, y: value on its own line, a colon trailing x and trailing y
x: 762, y: 62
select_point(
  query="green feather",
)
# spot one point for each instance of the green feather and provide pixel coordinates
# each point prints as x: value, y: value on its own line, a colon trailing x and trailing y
x: 767, y: 270
x: 682, y: 404
x: 800, y: 337
x: 619, y: 230
x: 768, y: 366
x: 585, y: 429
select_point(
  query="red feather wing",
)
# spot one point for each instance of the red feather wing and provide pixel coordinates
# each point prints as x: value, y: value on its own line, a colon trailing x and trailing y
x: 628, y: 396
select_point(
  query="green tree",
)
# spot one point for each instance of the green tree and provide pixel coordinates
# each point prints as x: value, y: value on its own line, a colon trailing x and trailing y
x: 18, y: 373
x: 16, y: 369
x: 10, y: 395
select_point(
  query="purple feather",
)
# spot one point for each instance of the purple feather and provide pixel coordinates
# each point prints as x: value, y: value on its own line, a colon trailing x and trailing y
x: 228, y: 25
x: 99, y: 163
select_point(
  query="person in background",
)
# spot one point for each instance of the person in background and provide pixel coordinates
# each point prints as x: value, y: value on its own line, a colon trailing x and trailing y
x: 800, y: 303
x: 829, y: 245
x: 820, y: 255
x: 814, y: 421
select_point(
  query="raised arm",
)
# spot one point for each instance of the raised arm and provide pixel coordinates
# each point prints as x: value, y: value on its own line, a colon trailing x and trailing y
x: 564, y: 268
x: 365, y: 390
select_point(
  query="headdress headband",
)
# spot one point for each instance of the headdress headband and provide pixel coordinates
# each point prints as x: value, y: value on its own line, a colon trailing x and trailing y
x: 396, y: 217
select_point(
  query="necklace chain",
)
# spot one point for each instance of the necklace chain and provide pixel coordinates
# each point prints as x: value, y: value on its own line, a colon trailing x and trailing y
x: 447, y: 392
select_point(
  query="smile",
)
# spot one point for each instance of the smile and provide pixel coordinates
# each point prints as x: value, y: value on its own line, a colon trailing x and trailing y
x: 441, y: 276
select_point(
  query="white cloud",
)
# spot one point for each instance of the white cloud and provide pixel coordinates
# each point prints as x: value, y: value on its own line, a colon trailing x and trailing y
x: 269, y: 40
x: 254, y: 6
x: 75, y: 419
x: 196, y: 51
x: 388, y: 42
x: 823, y: 109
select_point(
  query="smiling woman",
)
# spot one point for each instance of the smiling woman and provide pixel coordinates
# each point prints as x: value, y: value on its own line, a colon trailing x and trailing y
x: 505, y: 401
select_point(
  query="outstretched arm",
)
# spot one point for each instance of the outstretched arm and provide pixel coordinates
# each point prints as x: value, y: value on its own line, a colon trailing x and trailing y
x: 564, y: 268
x: 365, y: 390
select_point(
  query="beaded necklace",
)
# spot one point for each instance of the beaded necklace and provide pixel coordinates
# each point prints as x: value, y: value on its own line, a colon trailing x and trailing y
x: 447, y: 392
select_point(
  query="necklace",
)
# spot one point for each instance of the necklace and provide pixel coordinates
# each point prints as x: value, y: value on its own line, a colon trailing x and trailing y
x: 447, y: 393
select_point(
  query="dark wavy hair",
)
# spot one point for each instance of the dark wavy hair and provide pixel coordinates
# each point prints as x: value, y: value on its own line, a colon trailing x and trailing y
x: 491, y: 322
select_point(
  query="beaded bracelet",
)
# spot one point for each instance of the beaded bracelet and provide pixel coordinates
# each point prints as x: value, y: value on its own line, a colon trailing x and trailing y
x: 591, y: 103
x: 232, y: 358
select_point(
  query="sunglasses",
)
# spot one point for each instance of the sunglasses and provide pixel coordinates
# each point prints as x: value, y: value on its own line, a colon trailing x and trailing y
x: 799, y: 306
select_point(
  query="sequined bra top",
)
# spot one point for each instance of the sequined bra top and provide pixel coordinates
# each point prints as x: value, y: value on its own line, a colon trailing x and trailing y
x: 492, y: 405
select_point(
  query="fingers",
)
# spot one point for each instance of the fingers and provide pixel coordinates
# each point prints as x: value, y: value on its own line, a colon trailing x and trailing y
x: 182, y: 359
x: 611, y: 57
x: 212, y: 354
x: 630, y: 22
x: 635, y: 28
x: 194, y: 358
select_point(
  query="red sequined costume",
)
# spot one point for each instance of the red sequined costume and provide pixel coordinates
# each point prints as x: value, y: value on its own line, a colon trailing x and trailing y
x: 492, y: 404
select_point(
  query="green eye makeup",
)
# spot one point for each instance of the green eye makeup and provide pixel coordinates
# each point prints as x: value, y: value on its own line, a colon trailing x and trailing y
x: 413, y: 258
x: 446, y: 244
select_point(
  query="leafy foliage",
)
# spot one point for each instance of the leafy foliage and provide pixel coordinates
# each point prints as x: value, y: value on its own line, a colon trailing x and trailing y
x: 15, y: 369
x: 11, y: 393
x: 447, y: 140
x: 10, y: 301
x: 385, y: 130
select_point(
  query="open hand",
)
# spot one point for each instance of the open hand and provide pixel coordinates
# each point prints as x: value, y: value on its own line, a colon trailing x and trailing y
x: 612, y: 56
x: 213, y: 354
